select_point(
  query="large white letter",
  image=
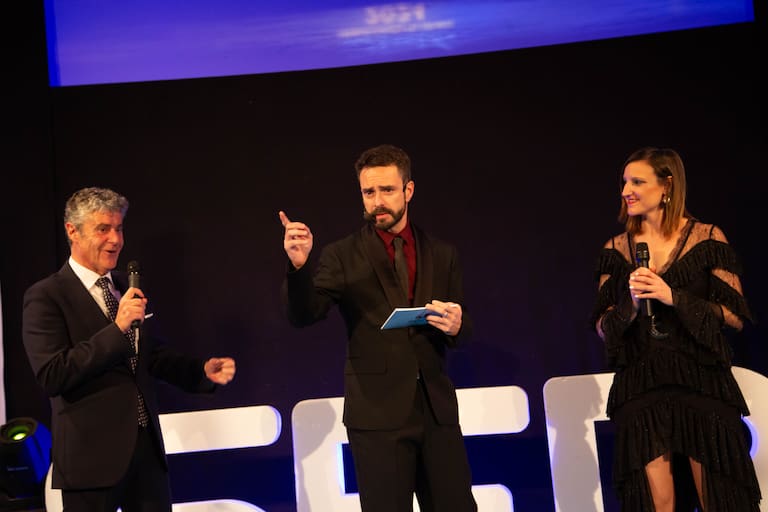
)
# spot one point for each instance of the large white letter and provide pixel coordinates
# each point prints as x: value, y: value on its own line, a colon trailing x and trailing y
x: 572, y: 406
x: 195, y: 431
x: 318, y: 435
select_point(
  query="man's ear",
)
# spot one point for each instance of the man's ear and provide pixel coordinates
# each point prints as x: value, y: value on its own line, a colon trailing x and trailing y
x: 409, y: 188
x: 71, y: 230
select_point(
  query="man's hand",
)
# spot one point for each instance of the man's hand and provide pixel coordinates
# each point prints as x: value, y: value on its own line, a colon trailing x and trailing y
x: 220, y: 370
x: 297, y: 241
x: 132, y: 307
x: 448, y: 317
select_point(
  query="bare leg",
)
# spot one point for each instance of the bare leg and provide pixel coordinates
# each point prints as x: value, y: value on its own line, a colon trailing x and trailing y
x: 698, y: 478
x: 659, y: 473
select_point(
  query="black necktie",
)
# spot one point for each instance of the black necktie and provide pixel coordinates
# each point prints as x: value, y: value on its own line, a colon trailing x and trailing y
x: 111, y: 302
x: 401, y: 265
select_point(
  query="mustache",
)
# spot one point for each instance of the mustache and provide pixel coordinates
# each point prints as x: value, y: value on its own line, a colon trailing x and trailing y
x: 371, y: 216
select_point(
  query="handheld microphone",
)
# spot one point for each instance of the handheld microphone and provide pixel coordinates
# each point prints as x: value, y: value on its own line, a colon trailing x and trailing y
x: 133, y: 282
x: 642, y: 256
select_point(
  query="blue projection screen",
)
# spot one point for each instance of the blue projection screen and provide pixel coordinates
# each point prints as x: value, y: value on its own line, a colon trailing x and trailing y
x: 108, y: 41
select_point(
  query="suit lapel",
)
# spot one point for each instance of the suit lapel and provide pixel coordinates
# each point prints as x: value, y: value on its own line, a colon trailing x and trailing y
x: 90, y: 314
x: 81, y: 299
x: 424, y: 268
x: 382, y: 266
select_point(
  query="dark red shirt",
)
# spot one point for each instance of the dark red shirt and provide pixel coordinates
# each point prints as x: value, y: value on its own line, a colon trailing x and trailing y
x: 409, y: 248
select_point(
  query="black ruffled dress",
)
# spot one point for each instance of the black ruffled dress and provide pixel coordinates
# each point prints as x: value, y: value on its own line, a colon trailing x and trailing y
x: 678, y: 394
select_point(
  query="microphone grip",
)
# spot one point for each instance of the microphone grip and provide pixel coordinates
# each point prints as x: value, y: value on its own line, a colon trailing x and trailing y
x: 133, y: 282
x: 642, y: 255
x: 647, y: 307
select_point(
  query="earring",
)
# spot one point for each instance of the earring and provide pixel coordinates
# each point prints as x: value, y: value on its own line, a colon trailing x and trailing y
x: 665, y: 200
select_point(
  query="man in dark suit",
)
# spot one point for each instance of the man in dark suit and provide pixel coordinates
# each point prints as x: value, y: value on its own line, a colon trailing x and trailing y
x: 81, y: 327
x: 400, y: 406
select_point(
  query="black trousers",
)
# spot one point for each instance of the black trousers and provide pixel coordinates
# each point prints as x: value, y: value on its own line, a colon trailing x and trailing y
x: 144, y: 488
x: 421, y: 457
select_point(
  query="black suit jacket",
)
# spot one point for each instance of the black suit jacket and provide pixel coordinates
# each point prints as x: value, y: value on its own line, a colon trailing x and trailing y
x: 381, y: 367
x: 80, y: 358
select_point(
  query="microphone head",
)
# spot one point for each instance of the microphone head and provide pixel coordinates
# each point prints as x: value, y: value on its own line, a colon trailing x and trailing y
x: 133, y: 267
x: 642, y: 255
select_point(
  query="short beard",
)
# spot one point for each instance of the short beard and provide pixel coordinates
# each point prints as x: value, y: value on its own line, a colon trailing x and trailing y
x: 383, y: 224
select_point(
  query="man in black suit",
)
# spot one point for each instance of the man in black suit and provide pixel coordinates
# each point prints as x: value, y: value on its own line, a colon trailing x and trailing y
x: 400, y: 406
x: 82, y: 344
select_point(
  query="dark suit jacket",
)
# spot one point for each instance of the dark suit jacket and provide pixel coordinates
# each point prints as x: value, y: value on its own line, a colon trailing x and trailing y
x: 381, y: 367
x: 80, y: 358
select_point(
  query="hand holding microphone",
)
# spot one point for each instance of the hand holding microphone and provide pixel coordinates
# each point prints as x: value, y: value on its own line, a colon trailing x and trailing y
x: 642, y: 256
x: 133, y: 282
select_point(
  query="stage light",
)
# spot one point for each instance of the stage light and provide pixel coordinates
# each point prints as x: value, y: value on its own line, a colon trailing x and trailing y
x: 25, y: 455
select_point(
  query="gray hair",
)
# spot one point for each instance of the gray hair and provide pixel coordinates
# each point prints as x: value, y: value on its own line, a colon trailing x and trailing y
x: 90, y: 200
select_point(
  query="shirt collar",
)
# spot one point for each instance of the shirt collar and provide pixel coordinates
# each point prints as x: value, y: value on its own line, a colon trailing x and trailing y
x: 406, y: 234
x: 87, y: 277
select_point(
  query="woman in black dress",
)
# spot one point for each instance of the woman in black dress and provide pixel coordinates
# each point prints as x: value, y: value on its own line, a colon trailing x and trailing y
x: 665, y: 313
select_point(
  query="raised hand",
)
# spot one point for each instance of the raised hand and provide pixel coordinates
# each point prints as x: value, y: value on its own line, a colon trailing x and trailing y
x: 297, y: 241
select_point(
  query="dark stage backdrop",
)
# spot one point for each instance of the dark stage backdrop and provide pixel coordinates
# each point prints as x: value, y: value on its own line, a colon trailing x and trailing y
x: 517, y: 160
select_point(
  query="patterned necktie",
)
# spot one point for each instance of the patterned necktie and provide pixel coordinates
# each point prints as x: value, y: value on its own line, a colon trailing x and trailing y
x: 111, y: 302
x: 401, y: 265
